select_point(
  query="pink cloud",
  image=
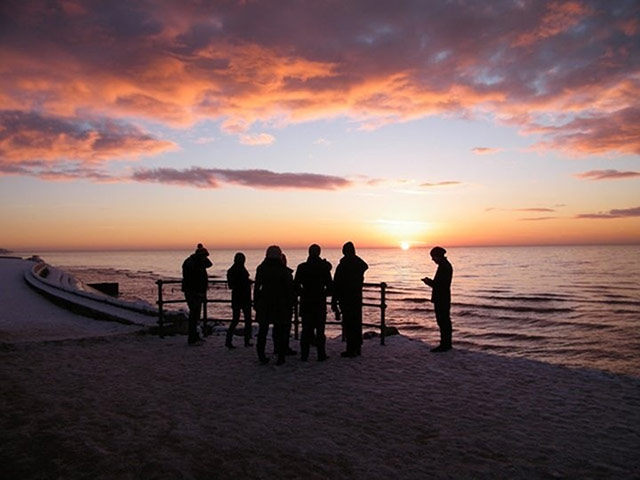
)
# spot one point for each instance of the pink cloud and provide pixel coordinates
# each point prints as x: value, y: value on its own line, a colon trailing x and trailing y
x: 486, y: 150
x: 264, y: 179
x: 441, y: 184
x: 607, y: 175
x: 242, y: 63
x: 597, y: 134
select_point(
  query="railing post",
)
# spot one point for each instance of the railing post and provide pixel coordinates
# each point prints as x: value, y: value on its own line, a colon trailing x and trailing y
x: 160, y: 308
x: 383, y: 308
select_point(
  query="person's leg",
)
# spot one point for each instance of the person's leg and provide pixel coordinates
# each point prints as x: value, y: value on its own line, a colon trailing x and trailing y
x: 443, y: 318
x: 263, y: 329
x: 281, y: 341
x: 235, y: 318
x: 320, y: 336
x: 350, y: 328
x: 305, y: 338
x: 247, y: 325
x: 194, y: 303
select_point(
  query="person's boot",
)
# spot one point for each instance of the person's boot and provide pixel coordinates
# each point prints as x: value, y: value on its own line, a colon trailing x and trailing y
x: 261, y: 356
x: 304, y: 351
x: 229, y: 340
x: 322, y: 353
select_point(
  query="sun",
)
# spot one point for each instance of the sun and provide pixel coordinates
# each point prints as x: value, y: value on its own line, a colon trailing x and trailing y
x: 405, y: 245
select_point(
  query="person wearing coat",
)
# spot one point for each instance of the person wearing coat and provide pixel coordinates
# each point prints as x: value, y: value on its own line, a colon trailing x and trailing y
x: 195, y: 282
x: 240, y: 284
x: 347, y: 297
x: 441, y: 297
x: 273, y: 297
x: 313, y: 284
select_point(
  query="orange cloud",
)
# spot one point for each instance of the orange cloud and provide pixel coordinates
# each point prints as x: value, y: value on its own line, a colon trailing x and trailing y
x: 558, y: 18
x: 560, y: 69
x: 28, y: 137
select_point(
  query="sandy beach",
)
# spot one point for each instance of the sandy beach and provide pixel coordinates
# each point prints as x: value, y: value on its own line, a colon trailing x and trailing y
x: 83, y: 398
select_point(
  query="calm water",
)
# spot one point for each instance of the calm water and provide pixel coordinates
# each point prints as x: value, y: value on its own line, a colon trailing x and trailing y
x: 575, y: 306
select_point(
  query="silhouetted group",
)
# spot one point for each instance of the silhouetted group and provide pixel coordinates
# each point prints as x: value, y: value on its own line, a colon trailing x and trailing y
x: 276, y: 289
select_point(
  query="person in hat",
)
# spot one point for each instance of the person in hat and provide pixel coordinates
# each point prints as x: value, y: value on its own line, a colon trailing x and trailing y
x: 273, y: 298
x: 441, y: 297
x: 195, y: 282
x: 240, y: 285
x: 313, y: 283
x: 347, y: 297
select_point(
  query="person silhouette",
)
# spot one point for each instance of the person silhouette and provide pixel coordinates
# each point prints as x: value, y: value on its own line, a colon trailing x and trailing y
x: 240, y: 285
x: 313, y: 284
x: 347, y: 297
x: 195, y: 282
x: 441, y: 297
x: 273, y: 302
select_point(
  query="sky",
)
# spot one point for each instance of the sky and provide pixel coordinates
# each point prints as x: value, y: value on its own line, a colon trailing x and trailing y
x: 162, y: 123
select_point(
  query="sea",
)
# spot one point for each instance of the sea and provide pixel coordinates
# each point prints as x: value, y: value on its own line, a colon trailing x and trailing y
x: 577, y: 306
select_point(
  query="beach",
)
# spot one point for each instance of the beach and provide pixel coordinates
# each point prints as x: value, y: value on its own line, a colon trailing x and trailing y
x: 84, y: 398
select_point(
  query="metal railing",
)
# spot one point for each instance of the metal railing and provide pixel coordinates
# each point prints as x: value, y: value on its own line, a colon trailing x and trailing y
x: 381, y: 305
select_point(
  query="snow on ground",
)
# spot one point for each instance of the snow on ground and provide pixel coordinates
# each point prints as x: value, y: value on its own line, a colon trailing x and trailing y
x: 27, y: 316
x: 136, y: 406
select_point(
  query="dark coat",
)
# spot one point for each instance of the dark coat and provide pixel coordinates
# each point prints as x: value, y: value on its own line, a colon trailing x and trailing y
x: 441, y: 284
x: 240, y: 285
x: 348, y: 280
x: 273, y: 293
x: 194, y: 274
x: 313, y: 283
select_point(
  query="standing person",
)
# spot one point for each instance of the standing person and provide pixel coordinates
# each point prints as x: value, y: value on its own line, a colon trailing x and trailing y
x: 272, y: 296
x: 240, y: 285
x: 441, y: 297
x: 195, y: 282
x: 313, y: 283
x: 347, y: 297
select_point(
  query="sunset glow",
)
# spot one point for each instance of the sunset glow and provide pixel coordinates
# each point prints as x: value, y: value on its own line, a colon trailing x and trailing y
x: 161, y: 124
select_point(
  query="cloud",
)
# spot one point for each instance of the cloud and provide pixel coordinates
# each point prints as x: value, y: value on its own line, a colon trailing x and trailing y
x: 440, y: 184
x: 566, y: 70
x: 263, y: 179
x: 534, y: 209
x: 525, y: 209
x: 616, y: 213
x: 257, y: 139
x: 536, y: 219
x: 26, y: 137
x: 597, y: 133
x: 486, y: 150
x: 606, y: 175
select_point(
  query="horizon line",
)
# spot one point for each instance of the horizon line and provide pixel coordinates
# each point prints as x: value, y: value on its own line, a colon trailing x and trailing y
x: 4, y: 251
